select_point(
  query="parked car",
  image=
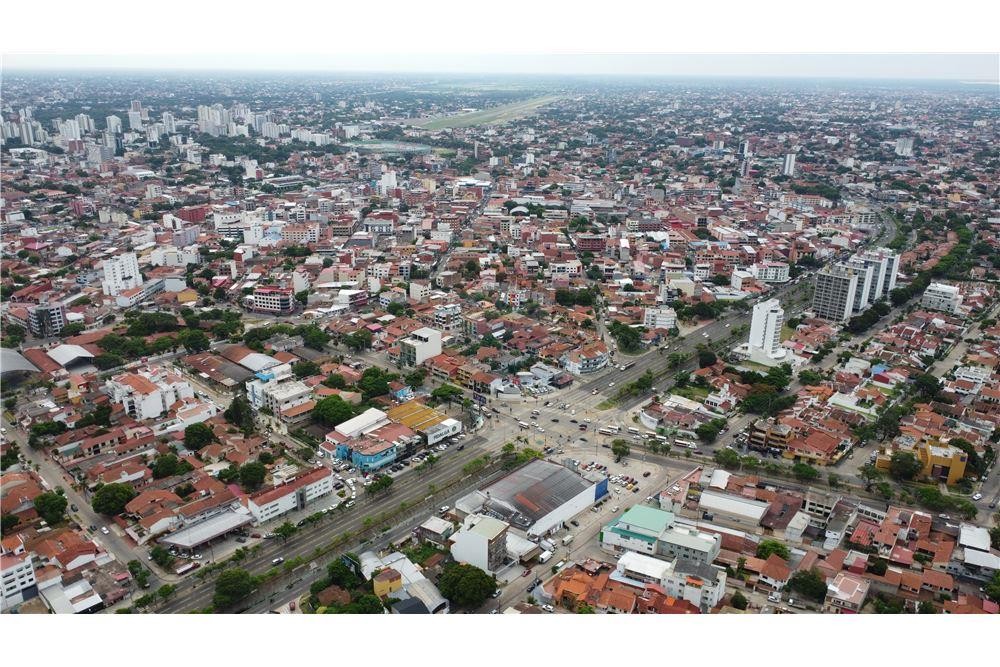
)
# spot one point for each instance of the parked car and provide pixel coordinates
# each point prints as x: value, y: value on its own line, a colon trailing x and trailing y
x: 549, y: 608
x: 74, y: 507
x: 575, y: 523
x: 278, y: 561
x: 977, y: 496
x: 646, y: 474
x: 104, y: 529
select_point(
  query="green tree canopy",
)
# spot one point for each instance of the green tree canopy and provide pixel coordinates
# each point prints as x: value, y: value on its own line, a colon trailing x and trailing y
x: 332, y: 411
x: 252, y: 475
x: 50, y: 506
x: 111, y: 499
x: 768, y: 547
x: 466, y: 585
x: 904, y: 466
x: 197, y: 436
x: 232, y: 586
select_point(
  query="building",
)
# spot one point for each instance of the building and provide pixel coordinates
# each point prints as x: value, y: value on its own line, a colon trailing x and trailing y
x: 939, y: 296
x: 419, y: 346
x: 770, y: 272
x: 538, y: 498
x: 18, y: 578
x: 655, y: 532
x: 121, y: 273
x: 846, y: 594
x: 904, y: 146
x: 833, y: 297
x: 293, y: 495
x: 481, y: 542
x: 663, y: 317
x: 765, y: 330
x: 885, y: 269
x: 588, y: 359
x: 148, y: 394
x: 270, y: 299
x: 46, y: 319
x: 788, y: 165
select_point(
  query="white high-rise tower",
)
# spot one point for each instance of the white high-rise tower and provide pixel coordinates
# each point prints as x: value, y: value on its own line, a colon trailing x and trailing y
x: 765, y: 330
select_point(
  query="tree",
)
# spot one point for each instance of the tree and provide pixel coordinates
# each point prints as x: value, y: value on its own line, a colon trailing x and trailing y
x: 809, y: 377
x: 381, y: 483
x: 335, y: 381
x: 396, y: 308
x: 252, y: 475
x: 193, y: 340
x: 302, y: 297
x: 239, y: 413
x: 286, y: 530
x: 303, y: 369
x: 739, y: 600
x: 620, y: 449
x: 768, y: 547
x: 111, y: 499
x: 804, y: 472
x: 339, y: 574
x: 992, y: 588
x: 466, y: 585
x: 232, y: 586
x: 332, y: 411
x: 416, y: 378
x: 166, y: 590
x: 809, y: 583
x: 904, y: 466
x: 374, y: 382
x: 927, y: 386
x: 161, y: 557
x: 584, y: 608
x: 197, y: 436
x: 869, y: 473
x: 706, y: 358
x: 168, y: 465
x: 51, y: 507
x: 359, y: 340
x: 445, y: 392
x: 995, y: 537
x: 727, y: 458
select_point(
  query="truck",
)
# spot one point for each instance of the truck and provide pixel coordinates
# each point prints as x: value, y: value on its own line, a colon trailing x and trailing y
x: 544, y: 558
x: 566, y: 540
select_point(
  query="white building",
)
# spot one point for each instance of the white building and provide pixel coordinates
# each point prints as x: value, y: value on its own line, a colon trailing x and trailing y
x: 701, y: 584
x: 18, y: 578
x: 939, y: 296
x: 148, y: 394
x: 481, y: 542
x: 295, y: 494
x: 655, y: 532
x: 904, y: 147
x: 884, y: 264
x: 171, y: 256
x: 834, y: 294
x: 121, y: 273
x: 419, y: 346
x: 663, y: 317
x: 770, y: 272
x: 788, y: 166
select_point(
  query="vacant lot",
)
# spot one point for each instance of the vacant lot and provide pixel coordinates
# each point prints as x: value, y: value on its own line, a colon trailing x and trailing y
x: 501, y: 114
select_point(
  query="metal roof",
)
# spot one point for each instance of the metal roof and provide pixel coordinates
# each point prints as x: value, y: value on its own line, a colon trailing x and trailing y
x: 11, y: 360
x: 532, y: 491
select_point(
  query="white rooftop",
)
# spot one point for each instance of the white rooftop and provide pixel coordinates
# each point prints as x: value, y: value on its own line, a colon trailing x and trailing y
x: 974, y: 537
x: 67, y: 354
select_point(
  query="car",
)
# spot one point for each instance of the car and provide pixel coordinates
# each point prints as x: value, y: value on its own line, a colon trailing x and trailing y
x: 302, y: 523
x: 583, y: 439
x: 526, y: 573
x: 196, y: 557
x: 774, y: 597
x: 278, y: 561
x: 461, y: 447
x: 74, y: 507
x: 977, y: 496
x: 615, y: 509
x: 549, y: 608
x: 594, y: 392
x: 331, y: 508
x: 573, y: 421
x: 635, y: 489
x: 540, y: 429
x: 240, y: 539
x: 993, y: 505
x: 444, y: 509
x: 611, y: 384
x: 575, y: 523
x: 349, y: 505
x: 104, y: 529
x: 555, y: 420
x: 646, y: 474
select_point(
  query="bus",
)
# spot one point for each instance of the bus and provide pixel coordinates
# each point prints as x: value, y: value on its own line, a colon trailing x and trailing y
x: 634, y: 431
x: 523, y: 426
x: 606, y: 431
x: 685, y: 443
x: 627, y: 365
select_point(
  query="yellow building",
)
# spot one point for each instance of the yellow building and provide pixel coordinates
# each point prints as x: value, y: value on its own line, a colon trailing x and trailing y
x: 940, y: 463
x: 386, y: 581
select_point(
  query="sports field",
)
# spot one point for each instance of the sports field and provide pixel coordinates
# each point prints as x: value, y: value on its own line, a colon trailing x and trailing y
x: 491, y: 116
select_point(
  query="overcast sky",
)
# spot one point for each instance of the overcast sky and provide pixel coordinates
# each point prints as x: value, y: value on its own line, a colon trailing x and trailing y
x: 973, y: 67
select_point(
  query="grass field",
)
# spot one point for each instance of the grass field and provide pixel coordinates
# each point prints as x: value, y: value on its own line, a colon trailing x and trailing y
x: 501, y: 114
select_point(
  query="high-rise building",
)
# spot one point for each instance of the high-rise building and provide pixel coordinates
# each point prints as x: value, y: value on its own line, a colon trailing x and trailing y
x: 46, y: 319
x: 113, y: 124
x: 134, y: 120
x: 863, y: 295
x: 788, y: 167
x: 745, y: 148
x: 833, y: 297
x: 765, y: 329
x: 121, y: 273
x: 169, y: 125
x: 885, y: 265
x: 27, y: 133
x: 904, y: 146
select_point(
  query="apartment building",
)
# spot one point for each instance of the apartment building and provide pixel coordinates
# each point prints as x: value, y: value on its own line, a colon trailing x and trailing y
x: 834, y: 294
x: 660, y: 318
x: 149, y: 393
x: 121, y: 273
x: 481, y: 542
x: 939, y: 296
x: 419, y: 346
x: 295, y: 494
x: 270, y: 299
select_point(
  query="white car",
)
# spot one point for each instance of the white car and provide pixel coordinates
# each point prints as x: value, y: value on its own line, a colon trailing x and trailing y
x: 549, y: 608
x: 611, y: 384
x: 541, y: 430
x: 104, y: 529
x: 978, y: 496
x: 444, y: 509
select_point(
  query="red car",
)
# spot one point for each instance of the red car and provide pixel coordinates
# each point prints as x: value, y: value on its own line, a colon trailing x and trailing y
x: 526, y: 573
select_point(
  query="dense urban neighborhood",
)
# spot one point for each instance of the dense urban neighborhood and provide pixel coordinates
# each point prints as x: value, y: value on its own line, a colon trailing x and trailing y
x: 411, y: 345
